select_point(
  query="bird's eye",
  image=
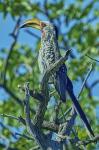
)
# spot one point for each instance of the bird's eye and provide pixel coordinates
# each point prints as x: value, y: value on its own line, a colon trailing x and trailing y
x: 42, y: 25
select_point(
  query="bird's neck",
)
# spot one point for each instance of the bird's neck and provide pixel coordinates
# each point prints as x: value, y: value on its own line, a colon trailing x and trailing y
x: 48, y: 41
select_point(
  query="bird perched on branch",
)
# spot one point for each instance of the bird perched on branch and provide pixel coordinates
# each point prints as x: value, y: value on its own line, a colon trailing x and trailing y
x: 48, y: 54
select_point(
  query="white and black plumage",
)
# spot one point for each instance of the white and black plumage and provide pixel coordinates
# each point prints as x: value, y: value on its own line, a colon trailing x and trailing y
x: 48, y: 54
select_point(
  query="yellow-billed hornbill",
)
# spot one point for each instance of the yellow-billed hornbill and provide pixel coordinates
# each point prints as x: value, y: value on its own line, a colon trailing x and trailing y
x: 48, y: 54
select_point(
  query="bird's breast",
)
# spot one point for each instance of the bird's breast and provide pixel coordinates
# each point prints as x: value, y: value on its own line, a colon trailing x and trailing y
x: 41, y: 62
x: 48, y: 55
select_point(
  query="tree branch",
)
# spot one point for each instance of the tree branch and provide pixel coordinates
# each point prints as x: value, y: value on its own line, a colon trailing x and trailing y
x: 35, y: 131
x: 24, y: 136
x: 46, y: 125
x: 33, y: 93
x: 94, y: 83
x: 87, y: 76
x: 14, y: 34
x: 92, y: 58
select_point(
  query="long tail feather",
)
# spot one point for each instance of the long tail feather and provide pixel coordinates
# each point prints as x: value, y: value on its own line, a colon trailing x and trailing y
x: 78, y: 107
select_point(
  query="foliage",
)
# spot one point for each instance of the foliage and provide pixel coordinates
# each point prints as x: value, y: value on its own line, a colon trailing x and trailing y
x: 78, y: 28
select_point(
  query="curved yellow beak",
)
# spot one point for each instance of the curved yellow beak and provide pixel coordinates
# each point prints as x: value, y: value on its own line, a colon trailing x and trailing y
x: 34, y: 23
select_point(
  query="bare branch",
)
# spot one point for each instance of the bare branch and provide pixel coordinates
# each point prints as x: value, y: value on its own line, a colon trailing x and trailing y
x: 92, y: 58
x: 57, y: 110
x: 9, y: 129
x: 35, y: 131
x: 66, y: 113
x: 66, y: 128
x: 24, y: 136
x: 33, y: 93
x: 87, y: 76
x: 94, y: 83
x: 9, y: 116
x: 20, y: 119
x: 46, y: 10
x: 14, y: 34
x: 46, y: 125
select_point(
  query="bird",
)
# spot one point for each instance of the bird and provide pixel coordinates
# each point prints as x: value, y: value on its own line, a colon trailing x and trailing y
x: 49, y: 53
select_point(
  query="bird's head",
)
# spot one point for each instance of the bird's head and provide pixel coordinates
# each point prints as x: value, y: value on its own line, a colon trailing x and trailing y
x: 46, y: 27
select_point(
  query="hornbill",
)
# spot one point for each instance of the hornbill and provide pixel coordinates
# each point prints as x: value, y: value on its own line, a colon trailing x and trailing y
x: 49, y: 53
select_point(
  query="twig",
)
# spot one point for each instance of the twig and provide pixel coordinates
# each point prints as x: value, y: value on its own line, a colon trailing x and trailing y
x: 6, y: 127
x: 46, y: 125
x: 46, y: 10
x: 87, y: 76
x: 33, y: 93
x: 39, y: 117
x: 92, y: 58
x: 9, y: 116
x: 57, y: 109
x: 66, y: 127
x: 94, y: 83
x: 20, y: 119
x: 89, y: 90
x: 15, y: 36
x: 65, y: 113
x: 24, y: 136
